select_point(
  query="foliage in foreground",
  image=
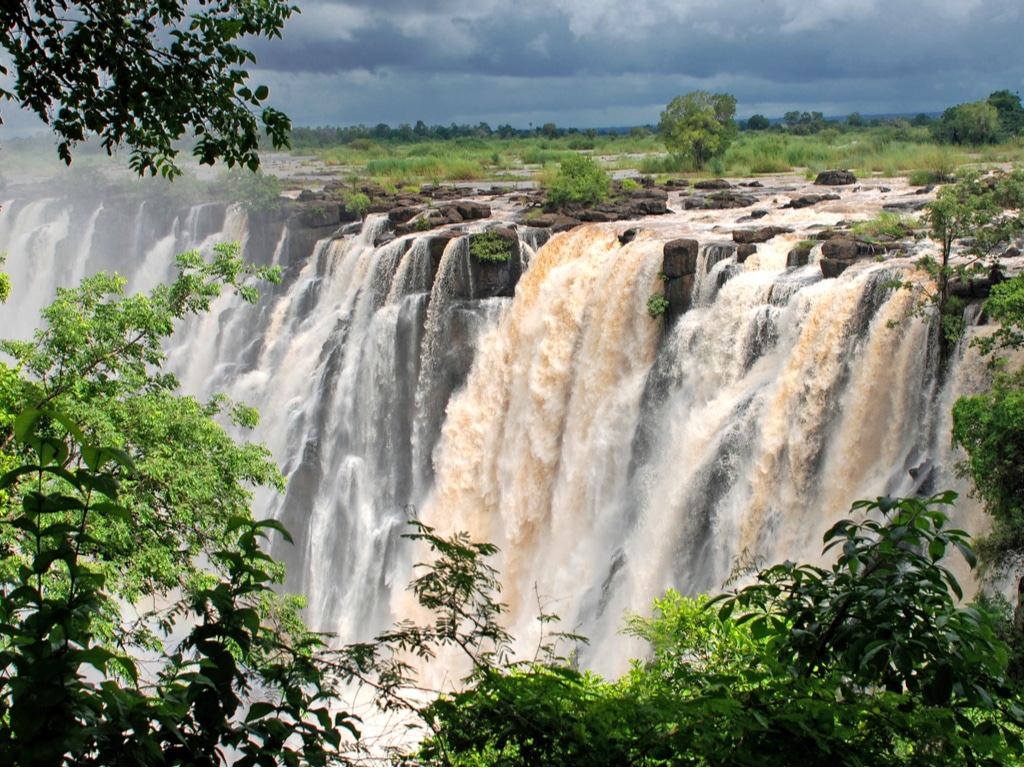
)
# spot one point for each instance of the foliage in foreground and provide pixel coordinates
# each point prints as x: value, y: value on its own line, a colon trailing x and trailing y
x: 114, y: 491
x: 872, y: 660
x: 98, y: 358
x: 238, y: 686
x: 144, y: 75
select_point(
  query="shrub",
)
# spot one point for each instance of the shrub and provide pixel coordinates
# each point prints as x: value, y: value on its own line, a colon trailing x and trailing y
x: 491, y: 247
x: 630, y: 185
x: 357, y: 202
x: 579, y: 181
x: 656, y: 304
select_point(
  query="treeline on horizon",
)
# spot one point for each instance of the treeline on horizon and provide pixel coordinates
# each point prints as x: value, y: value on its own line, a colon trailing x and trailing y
x: 998, y: 118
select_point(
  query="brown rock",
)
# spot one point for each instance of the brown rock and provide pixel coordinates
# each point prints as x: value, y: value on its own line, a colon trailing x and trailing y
x: 744, y: 251
x: 713, y: 184
x: 835, y: 178
x: 680, y: 257
x: 839, y: 248
x: 760, y: 235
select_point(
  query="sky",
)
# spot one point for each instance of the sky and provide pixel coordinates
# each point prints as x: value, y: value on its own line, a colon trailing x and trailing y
x: 612, y: 63
x: 602, y: 63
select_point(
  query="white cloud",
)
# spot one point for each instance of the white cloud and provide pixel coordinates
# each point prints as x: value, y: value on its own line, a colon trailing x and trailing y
x: 816, y: 15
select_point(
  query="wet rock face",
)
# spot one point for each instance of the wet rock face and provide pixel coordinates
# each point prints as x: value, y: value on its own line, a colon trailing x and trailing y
x: 680, y: 257
x: 835, y: 178
x: 475, y: 278
x: 799, y: 256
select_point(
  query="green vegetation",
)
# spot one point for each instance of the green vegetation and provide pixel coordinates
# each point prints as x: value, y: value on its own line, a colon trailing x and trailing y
x: 870, y: 660
x: 97, y: 359
x: 990, y: 427
x: 491, y: 247
x: 357, y: 203
x: 116, y: 491
x: 253, y: 190
x: 999, y: 118
x: 579, y: 182
x: 698, y: 126
x: 657, y: 304
x: 988, y: 214
x: 95, y: 67
x: 886, y: 223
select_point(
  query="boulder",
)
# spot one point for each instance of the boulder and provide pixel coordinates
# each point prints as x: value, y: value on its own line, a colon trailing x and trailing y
x: 806, y: 201
x: 402, y: 214
x: 728, y: 199
x: 905, y: 206
x: 799, y: 256
x: 679, y: 292
x: 839, y: 248
x: 760, y: 235
x: 629, y: 235
x: 471, y: 211
x: 713, y: 184
x: 744, y: 251
x: 835, y: 178
x: 680, y: 257
x: 488, y: 279
x: 594, y: 215
x: 835, y: 267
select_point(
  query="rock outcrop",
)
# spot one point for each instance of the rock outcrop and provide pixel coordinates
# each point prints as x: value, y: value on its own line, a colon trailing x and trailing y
x: 835, y: 178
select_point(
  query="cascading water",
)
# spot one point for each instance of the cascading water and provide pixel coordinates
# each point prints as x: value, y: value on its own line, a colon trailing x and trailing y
x: 609, y: 456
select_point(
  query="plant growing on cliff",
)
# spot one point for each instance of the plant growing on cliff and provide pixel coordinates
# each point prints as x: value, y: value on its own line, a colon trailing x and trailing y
x: 491, y: 247
x: 699, y: 126
x: 990, y: 427
x: 657, y: 304
x: 579, y: 182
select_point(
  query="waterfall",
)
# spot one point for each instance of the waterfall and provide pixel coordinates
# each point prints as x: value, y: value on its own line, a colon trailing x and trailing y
x: 608, y: 456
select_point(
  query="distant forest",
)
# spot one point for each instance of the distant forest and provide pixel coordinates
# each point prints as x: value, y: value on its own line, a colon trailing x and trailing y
x: 988, y: 121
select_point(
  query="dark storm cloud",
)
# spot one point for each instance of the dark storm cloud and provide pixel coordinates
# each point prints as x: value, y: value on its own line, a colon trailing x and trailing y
x: 853, y: 54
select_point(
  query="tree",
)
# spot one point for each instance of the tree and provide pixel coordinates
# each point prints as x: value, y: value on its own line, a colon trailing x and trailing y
x: 144, y: 75
x: 854, y: 120
x: 973, y: 123
x: 1011, y: 113
x: 114, y: 489
x: 988, y: 211
x: 758, y: 123
x: 98, y: 359
x: 242, y: 685
x: 579, y: 182
x: 699, y: 125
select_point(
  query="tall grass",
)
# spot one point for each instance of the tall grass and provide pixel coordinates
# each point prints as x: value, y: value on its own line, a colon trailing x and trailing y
x: 890, y: 150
